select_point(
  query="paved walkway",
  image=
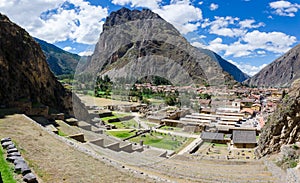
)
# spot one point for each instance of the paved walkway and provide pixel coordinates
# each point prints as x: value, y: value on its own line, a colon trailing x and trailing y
x: 191, y: 146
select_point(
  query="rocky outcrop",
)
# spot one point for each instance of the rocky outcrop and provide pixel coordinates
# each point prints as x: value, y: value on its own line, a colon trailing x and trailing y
x: 283, y: 127
x: 135, y: 44
x: 280, y: 73
x: 24, y: 73
x: 60, y: 62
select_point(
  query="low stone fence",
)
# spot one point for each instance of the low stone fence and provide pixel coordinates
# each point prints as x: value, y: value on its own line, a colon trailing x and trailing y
x: 20, y: 165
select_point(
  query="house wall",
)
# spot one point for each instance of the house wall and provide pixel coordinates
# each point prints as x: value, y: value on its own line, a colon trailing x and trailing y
x: 244, y: 145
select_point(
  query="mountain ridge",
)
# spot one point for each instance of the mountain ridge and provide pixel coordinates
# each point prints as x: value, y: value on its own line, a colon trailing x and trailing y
x: 279, y: 73
x: 130, y: 36
x: 60, y: 61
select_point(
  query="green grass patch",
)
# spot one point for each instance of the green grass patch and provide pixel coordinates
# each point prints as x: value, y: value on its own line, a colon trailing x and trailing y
x: 6, y: 169
x: 170, y: 128
x: 131, y: 124
x: 115, y: 115
x: 121, y: 134
x: 161, y: 140
x: 61, y: 133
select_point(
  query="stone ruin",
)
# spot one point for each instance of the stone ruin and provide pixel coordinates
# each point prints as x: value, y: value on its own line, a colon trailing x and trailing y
x: 20, y: 165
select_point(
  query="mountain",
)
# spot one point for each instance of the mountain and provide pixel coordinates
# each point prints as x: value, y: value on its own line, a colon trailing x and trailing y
x: 283, y: 127
x: 24, y: 72
x: 134, y: 44
x: 233, y: 70
x: 61, y: 62
x: 281, y: 72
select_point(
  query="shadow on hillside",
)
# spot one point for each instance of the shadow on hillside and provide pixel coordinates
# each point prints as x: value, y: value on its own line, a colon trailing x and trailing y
x: 8, y: 111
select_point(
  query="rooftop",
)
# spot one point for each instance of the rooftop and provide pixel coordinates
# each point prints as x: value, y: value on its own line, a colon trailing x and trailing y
x: 244, y: 136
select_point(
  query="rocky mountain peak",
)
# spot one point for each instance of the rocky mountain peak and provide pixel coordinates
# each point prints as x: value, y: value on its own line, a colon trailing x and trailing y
x: 125, y: 15
x: 281, y: 72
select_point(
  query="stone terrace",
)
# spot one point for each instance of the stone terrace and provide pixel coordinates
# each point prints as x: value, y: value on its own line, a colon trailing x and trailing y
x: 191, y: 168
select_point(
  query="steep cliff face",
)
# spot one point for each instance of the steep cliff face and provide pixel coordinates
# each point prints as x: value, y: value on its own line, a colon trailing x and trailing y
x: 280, y: 73
x: 60, y: 61
x: 24, y: 73
x: 136, y: 43
x: 283, y: 127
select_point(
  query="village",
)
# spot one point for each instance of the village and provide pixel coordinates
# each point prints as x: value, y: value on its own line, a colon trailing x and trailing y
x: 215, y: 123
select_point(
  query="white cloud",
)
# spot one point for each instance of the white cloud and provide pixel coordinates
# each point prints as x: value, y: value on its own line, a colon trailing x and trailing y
x: 245, y: 39
x: 198, y: 44
x: 249, y: 23
x: 57, y: 20
x: 261, y: 52
x: 276, y: 42
x: 180, y: 13
x: 86, y: 53
x: 200, y: 2
x: 248, y: 68
x: 68, y: 48
x: 213, y: 6
x: 152, y: 4
x: 220, y: 26
x: 284, y: 8
x: 184, y: 16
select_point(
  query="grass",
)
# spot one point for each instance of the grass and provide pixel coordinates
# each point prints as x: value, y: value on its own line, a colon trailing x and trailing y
x: 61, y: 133
x: 170, y: 128
x: 115, y: 115
x: 121, y: 134
x: 162, y: 141
x: 6, y: 169
x: 131, y: 124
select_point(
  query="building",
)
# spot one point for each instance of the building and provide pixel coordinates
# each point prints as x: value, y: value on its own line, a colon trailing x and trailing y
x: 213, y: 137
x: 244, y: 138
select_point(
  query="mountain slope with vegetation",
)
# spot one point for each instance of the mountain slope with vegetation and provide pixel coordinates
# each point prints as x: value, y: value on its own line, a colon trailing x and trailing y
x: 60, y: 62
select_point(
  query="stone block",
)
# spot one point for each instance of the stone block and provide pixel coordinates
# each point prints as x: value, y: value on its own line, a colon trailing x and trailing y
x: 98, y: 142
x: 12, y: 150
x: 14, y: 154
x: 30, y: 178
x: 6, y: 144
x: 127, y: 148
x: 114, y: 146
x: 6, y: 139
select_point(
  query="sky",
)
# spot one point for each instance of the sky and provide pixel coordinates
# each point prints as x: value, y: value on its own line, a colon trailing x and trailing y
x: 247, y: 33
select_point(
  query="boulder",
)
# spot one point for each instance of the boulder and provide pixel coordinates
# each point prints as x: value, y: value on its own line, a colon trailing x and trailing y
x: 14, y: 154
x: 6, y: 139
x: 30, y: 178
x: 12, y: 150
x: 14, y: 158
x: 6, y: 144
x: 25, y: 170
x: 18, y: 161
x: 21, y: 166
x: 12, y: 146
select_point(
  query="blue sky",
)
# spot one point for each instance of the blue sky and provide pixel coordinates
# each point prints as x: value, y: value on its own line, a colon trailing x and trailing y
x: 248, y: 33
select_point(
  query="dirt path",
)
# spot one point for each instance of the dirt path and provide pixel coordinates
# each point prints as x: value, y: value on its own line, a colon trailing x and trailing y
x: 53, y: 160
